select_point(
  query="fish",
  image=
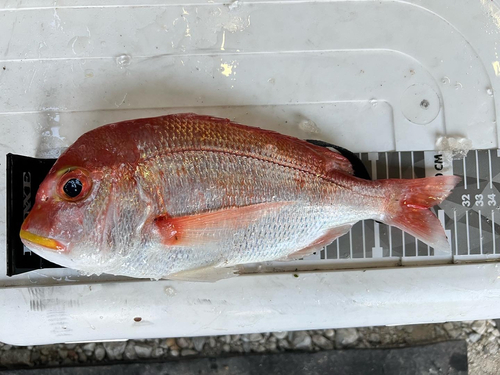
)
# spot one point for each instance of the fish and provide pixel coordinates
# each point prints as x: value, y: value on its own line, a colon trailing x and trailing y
x: 195, y: 197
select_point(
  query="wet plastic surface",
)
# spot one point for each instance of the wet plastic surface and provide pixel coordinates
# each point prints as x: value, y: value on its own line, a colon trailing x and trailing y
x: 356, y: 74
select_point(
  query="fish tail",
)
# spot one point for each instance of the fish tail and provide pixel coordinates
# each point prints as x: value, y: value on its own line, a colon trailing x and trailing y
x: 408, y: 203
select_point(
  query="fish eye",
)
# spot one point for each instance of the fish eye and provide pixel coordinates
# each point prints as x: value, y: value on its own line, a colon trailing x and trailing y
x: 74, y: 184
x: 73, y: 187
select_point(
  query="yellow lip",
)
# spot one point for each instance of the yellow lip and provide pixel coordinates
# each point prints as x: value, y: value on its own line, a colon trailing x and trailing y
x: 42, y: 241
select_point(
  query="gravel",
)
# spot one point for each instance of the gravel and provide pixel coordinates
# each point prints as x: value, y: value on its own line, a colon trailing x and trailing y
x: 479, y: 326
x: 254, y: 337
x: 63, y: 353
x: 346, y: 337
x: 483, y: 338
x: 15, y: 357
x: 280, y: 335
x: 474, y: 337
x: 100, y: 352
x: 322, y: 342
x: 186, y: 352
x: 114, y: 350
x: 301, y: 340
x: 90, y: 347
x: 199, y: 343
x: 143, y: 350
x: 283, y: 344
x: 129, y: 352
x: 82, y: 357
x: 374, y: 338
x: 183, y: 343
x: 329, y: 333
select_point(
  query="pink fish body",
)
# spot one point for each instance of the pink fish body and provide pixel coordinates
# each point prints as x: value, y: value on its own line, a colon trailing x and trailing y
x: 184, y: 195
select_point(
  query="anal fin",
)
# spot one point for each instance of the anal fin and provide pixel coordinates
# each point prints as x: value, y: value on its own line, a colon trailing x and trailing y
x: 326, y: 239
x: 205, y: 274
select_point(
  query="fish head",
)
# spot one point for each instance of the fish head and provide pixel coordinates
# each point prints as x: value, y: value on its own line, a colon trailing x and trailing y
x: 56, y: 221
x: 69, y: 216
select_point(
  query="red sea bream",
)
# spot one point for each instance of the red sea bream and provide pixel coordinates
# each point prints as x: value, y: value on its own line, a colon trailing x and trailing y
x: 192, y: 197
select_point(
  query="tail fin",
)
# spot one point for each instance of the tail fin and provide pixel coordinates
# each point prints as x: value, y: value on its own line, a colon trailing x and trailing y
x: 408, y: 203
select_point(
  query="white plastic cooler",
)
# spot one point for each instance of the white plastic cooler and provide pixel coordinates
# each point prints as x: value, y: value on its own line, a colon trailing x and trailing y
x: 382, y: 78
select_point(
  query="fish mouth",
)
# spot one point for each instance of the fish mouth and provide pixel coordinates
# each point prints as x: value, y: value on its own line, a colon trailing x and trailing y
x: 48, y: 243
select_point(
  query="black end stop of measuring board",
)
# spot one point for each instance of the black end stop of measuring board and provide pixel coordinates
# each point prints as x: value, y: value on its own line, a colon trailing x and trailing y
x: 24, y: 176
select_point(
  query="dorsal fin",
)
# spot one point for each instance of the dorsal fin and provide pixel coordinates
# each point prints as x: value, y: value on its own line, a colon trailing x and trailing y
x: 356, y: 163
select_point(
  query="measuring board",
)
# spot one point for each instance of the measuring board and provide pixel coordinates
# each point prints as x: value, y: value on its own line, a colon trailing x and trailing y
x: 470, y: 215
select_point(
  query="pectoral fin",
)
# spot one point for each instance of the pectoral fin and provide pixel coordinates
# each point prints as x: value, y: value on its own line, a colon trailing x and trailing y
x: 211, y: 226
